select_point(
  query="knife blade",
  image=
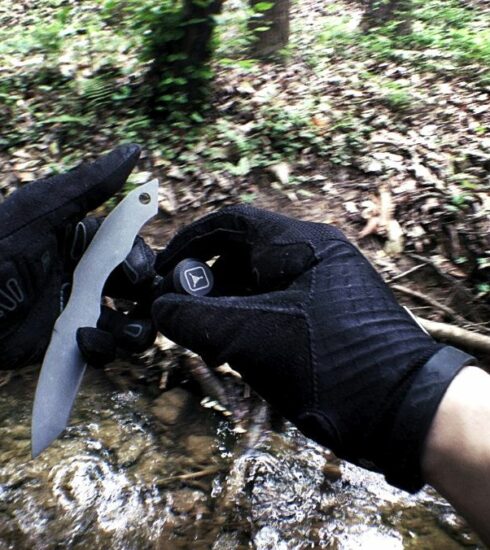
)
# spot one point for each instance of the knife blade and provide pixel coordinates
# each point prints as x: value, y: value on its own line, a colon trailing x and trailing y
x: 63, y: 365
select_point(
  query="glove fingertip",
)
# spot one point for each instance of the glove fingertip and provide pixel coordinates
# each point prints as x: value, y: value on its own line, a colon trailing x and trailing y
x: 97, y: 347
x: 88, y: 186
x: 139, y: 264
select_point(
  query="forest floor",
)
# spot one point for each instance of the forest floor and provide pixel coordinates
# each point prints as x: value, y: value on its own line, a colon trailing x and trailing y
x: 389, y: 142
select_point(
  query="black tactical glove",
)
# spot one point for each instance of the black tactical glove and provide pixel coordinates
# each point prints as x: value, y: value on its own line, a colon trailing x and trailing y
x: 314, y: 329
x: 40, y: 244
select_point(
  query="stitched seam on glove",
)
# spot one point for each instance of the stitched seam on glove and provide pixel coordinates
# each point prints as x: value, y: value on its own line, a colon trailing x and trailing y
x: 320, y: 251
x: 313, y: 356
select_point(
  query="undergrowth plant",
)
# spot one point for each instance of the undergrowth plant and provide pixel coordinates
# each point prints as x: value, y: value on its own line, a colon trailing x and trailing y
x: 445, y: 27
x: 175, y: 40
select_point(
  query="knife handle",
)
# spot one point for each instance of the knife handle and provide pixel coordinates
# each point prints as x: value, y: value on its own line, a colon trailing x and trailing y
x: 189, y: 276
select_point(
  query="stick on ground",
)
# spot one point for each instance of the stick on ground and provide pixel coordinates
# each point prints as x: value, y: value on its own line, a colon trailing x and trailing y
x: 456, y: 335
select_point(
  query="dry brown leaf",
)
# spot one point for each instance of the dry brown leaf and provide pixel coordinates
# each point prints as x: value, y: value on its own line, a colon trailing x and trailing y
x: 370, y: 227
x: 281, y: 172
x: 320, y: 121
x: 382, y: 222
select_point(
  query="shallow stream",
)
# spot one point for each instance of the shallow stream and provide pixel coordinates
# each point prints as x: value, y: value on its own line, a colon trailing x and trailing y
x: 120, y: 478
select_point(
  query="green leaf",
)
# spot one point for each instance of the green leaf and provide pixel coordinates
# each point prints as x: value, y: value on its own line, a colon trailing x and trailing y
x: 248, y: 198
x: 65, y: 119
x: 263, y: 6
x: 196, y: 117
x: 241, y: 169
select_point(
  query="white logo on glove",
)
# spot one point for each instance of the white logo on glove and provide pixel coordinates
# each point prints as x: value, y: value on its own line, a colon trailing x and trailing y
x: 197, y: 278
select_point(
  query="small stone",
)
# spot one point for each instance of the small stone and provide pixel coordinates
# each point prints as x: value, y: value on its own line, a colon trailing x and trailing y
x: 373, y: 166
x: 200, y: 447
x: 130, y: 451
x: 171, y: 405
x: 184, y: 501
x: 176, y: 173
x: 139, y: 178
x: 332, y: 472
x: 428, y: 130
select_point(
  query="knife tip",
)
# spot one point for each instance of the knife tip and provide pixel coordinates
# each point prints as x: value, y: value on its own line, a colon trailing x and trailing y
x: 37, y: 449
x: 40, y: 442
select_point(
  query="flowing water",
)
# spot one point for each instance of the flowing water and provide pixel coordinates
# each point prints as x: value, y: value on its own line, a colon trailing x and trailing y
x: 120, y: 478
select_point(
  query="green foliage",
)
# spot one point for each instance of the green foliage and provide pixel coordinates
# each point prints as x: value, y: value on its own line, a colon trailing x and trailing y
x: 338, y: 32
x: 288, y: 130
x: 276, y: 134
x: 179, y: 73
x: 263, y: 6
x: 286, y: 133
x: 459, y: 201
x: 483, y: 289
x: 97, y: 91
x: 44, y: 36
x: 236, y: 34
x: 152, y: 23
x: 446, y: 26
x: 461, y: 34
x: 397, y: 96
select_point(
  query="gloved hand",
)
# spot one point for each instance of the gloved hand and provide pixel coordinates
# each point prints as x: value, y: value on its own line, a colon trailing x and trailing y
x: 313, y: 328
x: 41, y: 239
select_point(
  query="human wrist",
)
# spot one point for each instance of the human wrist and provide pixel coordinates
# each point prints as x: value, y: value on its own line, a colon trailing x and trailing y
x: 451, y: 436
x: 456, y: 457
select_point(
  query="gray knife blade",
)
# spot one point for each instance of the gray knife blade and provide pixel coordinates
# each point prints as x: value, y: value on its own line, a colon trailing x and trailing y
x: 63, y: 366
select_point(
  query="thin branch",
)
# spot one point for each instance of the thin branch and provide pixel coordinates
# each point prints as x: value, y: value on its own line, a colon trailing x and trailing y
x: 191, y: 475
x: 407, y: 272
x: 458, y: 284
x: 456, y: 335
x: 429, y: 300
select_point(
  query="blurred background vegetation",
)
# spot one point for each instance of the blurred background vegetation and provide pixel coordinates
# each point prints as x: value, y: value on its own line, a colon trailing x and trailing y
x: 232, y: 98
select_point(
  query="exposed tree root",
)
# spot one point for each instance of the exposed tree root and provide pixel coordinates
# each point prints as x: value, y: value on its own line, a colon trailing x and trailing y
x: 456, y: 335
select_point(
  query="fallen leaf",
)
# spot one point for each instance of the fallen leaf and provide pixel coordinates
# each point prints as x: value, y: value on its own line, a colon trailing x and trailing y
x: 281, y: 172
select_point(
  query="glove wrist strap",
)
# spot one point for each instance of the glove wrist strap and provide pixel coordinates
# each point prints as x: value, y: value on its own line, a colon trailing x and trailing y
x: 415, y: 414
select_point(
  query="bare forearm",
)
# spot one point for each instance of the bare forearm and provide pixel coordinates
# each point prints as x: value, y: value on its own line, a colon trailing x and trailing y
x: 456, y: 460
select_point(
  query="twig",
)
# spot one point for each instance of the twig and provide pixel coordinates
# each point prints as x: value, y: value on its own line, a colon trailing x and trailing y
x: 458, y: 284
x: 456, y: 335
x: 192, y: 475
x: 407, y: 272
x: 429, y: 300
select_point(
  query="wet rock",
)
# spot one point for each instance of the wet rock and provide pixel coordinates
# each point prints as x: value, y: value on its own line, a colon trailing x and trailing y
x: 457, y: 528
x: 121, y: 479
x: 172, y: 405
x: 200, y: 447
x: 227, y: 541
x: 90, y: 488
x: 186, y: 501
x: 130, y: 451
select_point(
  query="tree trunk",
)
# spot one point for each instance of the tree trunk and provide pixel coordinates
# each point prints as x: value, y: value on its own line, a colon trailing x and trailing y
x: 271, y: 29
x: 198, y: 21
x: 381, y: 12
x: 180, y: 67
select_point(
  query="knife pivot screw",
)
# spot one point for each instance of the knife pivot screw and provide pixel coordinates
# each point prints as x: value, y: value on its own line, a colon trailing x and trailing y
x: 145, y: 198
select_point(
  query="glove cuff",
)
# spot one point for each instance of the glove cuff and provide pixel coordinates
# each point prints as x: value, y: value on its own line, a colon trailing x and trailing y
x: 402, y: 466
